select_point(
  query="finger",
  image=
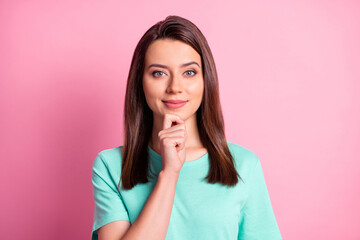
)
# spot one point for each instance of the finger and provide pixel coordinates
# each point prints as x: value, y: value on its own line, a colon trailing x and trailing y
x: 178, y: 130
x: 169, y: 119
x: 180, y: 126
x: 177, y: 142
x: 176, y: 133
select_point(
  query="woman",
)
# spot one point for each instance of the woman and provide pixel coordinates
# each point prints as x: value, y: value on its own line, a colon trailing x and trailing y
x: 176, y: 177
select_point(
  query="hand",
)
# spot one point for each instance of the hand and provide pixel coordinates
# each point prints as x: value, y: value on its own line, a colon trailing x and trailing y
x: 172, y: 143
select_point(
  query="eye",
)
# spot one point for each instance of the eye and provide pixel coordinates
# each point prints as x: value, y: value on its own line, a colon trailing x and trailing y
x: 190, y: 72
x: 158, y: 74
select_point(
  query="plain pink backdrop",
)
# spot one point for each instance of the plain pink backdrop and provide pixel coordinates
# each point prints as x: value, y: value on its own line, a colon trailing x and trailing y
x: 289, y: 81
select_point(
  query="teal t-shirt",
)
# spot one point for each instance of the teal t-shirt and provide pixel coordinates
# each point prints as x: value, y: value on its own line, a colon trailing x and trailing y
x: 200, y: 210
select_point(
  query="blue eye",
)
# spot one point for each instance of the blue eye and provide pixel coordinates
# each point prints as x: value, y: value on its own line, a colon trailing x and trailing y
x: 155, y: 74
x: 190, y: 71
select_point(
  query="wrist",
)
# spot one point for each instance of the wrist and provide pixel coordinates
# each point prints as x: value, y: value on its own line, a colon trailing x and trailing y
x: 169, y: 174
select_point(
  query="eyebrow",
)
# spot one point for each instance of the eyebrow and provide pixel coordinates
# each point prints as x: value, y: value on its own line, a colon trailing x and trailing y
x: 164, y: 66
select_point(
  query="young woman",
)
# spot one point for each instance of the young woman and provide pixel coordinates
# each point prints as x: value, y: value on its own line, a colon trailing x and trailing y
x: 176, y: 176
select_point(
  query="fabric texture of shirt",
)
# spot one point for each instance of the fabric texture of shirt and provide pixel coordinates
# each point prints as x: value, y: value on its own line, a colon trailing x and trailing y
x: 200, y: 210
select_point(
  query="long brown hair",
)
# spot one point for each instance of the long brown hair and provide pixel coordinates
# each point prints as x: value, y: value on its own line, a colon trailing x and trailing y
x: 138, y: 117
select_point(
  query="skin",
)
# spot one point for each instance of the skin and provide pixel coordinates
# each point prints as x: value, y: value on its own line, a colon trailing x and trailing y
x: 174, y: 82
x: 175, y: 134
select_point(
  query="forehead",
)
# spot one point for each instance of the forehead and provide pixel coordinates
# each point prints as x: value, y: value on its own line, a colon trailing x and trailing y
x: 170, y: 52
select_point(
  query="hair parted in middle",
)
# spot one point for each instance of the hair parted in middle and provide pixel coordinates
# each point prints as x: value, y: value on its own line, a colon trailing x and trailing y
x: 138, y: 117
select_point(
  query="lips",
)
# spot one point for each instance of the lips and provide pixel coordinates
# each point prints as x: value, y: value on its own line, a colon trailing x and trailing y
x: 174, y: 103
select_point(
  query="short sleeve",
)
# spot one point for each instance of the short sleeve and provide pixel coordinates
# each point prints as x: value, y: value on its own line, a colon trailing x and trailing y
x: 257, y: 218
x: 109, y: 206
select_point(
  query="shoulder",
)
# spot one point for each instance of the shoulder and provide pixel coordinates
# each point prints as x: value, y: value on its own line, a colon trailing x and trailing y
x: 108, y: 160
x: 244, y: 159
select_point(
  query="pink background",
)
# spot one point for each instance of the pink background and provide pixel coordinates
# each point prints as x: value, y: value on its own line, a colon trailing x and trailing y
x: 289, y: 80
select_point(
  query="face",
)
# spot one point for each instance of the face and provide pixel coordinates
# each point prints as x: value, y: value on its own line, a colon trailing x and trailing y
x: 173, y: 79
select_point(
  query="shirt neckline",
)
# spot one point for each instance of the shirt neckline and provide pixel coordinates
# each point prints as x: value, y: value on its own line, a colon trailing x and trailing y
x: 157, y: 157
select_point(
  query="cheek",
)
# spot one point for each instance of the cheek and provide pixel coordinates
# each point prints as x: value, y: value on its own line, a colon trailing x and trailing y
x: 151, y: 93
x: 197, y: 89
x: 147, y: 87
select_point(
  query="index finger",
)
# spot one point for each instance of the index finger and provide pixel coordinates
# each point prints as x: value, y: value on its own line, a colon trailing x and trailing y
x: 169, y: 119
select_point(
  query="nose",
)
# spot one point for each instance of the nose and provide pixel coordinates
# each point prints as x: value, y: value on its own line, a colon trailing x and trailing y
x: 175, y: 85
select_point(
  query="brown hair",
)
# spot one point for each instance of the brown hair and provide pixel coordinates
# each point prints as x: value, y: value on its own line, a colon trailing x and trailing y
x: 135, y: 159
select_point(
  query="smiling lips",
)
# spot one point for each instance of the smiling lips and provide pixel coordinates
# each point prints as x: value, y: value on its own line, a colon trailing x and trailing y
x: 174, y: 103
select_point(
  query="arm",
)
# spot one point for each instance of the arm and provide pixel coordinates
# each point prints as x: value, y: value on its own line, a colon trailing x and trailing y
x: 153, y: 220
x: 257, y: 219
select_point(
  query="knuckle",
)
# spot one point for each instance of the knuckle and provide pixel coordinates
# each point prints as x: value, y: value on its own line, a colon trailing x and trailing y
x: 183, y: 133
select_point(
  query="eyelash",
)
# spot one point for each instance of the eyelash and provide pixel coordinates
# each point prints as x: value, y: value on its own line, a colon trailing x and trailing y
x: 153, y: 73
